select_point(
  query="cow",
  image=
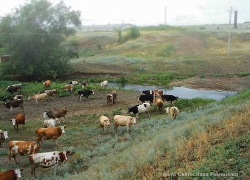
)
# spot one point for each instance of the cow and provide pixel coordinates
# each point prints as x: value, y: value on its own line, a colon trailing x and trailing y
x: 12, y: 174
x: 18, y: 97
x: 14, y: 88
x: 36, y: 97
x: 104, y: 122
x: 47, y: 83
x: 137, y: 109
x: 52, y: 92
x: 173, y: 111
x: 47, y: 159
x: 22, y: 148
x: 51, y: 123
x: 3, y: 137
x: 158, y: 92
x: 104, y: 83
x: 124, y: 121
x: 84, y: 93
x: 49, y: 133
x: 14, y: 104
x: 73, y: 82
x: 55, y: 113
x: 84, y: 84
x: 18, y: 119
x: 110, y: 99
x: 159, y: 103
x: 170, y: 98
x: 146, y: 97
x: 114, y: 94
x: 67, y: 87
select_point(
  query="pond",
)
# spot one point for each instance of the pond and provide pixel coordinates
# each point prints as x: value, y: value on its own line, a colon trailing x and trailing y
x: 181, y: 92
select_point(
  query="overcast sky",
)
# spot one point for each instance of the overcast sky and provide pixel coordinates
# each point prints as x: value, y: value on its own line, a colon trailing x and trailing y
x: 150, y: 12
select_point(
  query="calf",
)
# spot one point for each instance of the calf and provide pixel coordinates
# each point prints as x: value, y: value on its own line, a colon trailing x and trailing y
x: 14, y: 88
x: 36, y: 97
x: 110, y: 99
x: 146, y: 97
x: 51, y: 123
x: 47, y: 159
x: 104, y: 83
x: 173, y: 111
x: 12, y: 174
x: 84, y: 93
x: 47, y: 83
x: 67, y: 87
x: 104, y: 122
x: 73, y: 82
x: 18, y: 119
x: 14, y: 104
x: 55, y: 113
x: 50, y: 133
x: 137, y: 109
x: 159, y: 103
x: 22, y: 148
x: 124, y: 121
x: 170, y: 98
x: 3, y: 137
x: 84, y: 84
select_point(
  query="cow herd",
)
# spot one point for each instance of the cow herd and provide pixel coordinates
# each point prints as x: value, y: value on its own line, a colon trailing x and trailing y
x: 51, y: 131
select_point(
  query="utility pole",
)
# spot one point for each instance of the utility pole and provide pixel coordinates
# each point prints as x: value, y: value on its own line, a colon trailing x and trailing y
x: 165, y: 15
x: 235, y: 19
x: 229, y: 31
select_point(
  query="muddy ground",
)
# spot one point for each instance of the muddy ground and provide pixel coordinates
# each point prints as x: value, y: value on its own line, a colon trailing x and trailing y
x: 97, y: 104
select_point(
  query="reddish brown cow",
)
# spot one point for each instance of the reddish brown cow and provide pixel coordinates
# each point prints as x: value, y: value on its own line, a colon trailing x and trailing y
x: 19, y: 119
x: 47, y: 83
x: 67, y: 87
x: 11, y: 174
x: 22, y: 148
x: 49, y: 133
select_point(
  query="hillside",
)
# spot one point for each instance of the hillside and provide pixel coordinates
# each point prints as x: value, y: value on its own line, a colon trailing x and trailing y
x: 166, y: 56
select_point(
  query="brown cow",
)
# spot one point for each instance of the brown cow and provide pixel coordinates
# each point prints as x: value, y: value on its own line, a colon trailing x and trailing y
x: 47, y: 159
x: 67, y: 87
x: 110, y: 98
x: 22, y: 148
x: 12, y: 174
x: 47, y: 83
x: 18, y: 119
x: 114, y: 94
x: 49, y: 133
x: 55, y: 113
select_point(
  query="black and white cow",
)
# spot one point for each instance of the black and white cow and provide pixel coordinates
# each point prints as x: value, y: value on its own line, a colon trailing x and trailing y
x: 14, y: 88
x: 14, y: 104
x: 170, y: 98
x: 147, y: 92
x: 137, y: 109
x: 146, y: 97
x: 84, y: 93
x: 73, y: 82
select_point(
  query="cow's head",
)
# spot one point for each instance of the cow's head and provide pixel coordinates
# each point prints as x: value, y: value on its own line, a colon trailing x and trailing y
x: 13, y: 121
x: 106, y: 122
x: 62, y: 128
x: 167, y: 110
x: 5, y: 134
x: 18, y: 173
x: 29, y: 98
x: 133, y: 120
x: 63, y: 155
x: 93, y: 92
x: 45, y: 114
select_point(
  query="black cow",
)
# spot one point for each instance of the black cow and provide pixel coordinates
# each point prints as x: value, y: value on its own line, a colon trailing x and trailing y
x: 170, y: 98
x: 14, y: 104
x: 84, y: 93
x: 147, y: 92
x: 146, y: 97
x: 14, y: 88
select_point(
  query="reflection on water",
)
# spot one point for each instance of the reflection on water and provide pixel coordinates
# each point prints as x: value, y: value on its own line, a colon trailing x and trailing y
x: 181, y: 92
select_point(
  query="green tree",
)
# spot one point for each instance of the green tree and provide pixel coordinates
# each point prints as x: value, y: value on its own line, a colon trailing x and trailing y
x: 32, y: 35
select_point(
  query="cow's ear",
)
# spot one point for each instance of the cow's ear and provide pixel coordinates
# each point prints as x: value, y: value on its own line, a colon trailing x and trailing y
x: 10, y: 119
x: 65, y: 126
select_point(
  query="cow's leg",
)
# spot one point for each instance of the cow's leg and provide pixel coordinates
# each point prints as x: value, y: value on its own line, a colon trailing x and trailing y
x: 14, y: 156
x: 55, y: 139
x: 11, y: 110
x: 137, y: 115
x: 55, y: 169
x: 33, y: 171
x: 127, y: 129
x: 10, y: 155
x: 116, y: 126
x: 148, y: 114
x: 17, y: 128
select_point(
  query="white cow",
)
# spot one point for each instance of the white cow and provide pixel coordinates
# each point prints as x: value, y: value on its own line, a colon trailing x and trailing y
x: 173, y: 111
x: 104, y: 83
x: 47, y: 159
x: 51, y: 123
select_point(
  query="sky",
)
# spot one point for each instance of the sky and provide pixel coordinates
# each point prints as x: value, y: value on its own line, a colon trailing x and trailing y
x: 150, y: 12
